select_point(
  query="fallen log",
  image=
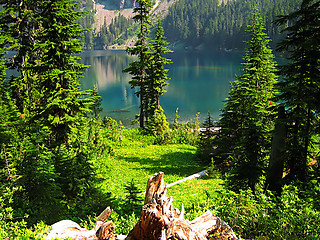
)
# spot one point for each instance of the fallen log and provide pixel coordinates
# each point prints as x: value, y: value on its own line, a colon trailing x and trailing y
x: 196, y: 175
x: 159, y: 220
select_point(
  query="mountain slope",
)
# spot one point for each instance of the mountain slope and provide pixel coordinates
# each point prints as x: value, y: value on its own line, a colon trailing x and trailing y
x: 112, y: 21
x: 221, y: 25
x: 218, y: 24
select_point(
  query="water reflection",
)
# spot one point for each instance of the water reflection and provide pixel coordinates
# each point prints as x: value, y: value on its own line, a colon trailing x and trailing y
x: 199, y: 83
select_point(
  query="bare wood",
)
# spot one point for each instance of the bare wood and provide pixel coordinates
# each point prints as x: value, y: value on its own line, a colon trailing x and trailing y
x: 196, y: 175
x: 155, y: 186
x: 106, y: 231
x: 205, y: 224
x: 181, y: 229
x: 102, y: 218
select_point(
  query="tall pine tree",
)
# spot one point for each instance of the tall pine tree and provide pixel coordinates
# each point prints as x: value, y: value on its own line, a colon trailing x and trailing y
x: 247, y: 118
x: 57, y: 69
x: 18, y: 27
x: 138, y: 69
x: 156, y: 81
x: 299, y: 89
x: 46, y: 93
x: 157, y: 74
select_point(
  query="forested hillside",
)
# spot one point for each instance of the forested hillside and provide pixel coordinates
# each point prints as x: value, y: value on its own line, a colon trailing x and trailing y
x: 214, y: 23
x: 111, y: 21
x: 208, y: 22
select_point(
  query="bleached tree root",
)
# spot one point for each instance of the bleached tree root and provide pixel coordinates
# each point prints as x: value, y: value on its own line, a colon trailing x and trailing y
x: 159, y: 220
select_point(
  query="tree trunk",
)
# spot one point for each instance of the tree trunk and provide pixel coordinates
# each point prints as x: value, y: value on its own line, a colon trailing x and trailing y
x: 277, y: 157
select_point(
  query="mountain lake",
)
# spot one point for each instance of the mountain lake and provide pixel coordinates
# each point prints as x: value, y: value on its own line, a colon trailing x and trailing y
x: 200, y: 82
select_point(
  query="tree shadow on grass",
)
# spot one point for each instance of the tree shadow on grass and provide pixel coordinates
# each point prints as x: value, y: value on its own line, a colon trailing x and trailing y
x: 176, y: 163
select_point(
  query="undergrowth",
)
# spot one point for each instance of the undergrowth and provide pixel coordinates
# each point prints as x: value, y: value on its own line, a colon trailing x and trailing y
x: 134, y: 157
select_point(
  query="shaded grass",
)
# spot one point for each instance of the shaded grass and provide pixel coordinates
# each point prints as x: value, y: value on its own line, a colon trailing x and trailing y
x: 137, y: 158
x: 139, y: 162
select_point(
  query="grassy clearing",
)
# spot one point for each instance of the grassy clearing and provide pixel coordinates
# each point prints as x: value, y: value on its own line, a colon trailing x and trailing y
x: 138, y: 159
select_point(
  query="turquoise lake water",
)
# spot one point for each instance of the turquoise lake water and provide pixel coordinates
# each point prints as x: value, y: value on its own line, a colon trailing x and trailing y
x: 199, y: 83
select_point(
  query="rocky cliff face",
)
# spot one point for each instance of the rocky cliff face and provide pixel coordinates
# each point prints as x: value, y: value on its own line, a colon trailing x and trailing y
x: 127, y: 4
x: 117, y: 4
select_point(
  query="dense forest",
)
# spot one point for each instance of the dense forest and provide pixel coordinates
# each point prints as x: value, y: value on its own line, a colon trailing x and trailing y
x: 221, y: 25
x: 192, y: 23
x: 60, y: 160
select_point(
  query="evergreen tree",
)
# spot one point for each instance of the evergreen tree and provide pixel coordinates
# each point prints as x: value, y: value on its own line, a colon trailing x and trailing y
x: 299, y: 89
x: 205, y: 146
x: 51, y: 106
x: 247, y: 118
x: 157, y: 75
x: 63, y: 107
x: 157, y: 80
x: 138, y: 69
x: 58, y: 71
x: 18, y: 27
x: 6, y: 115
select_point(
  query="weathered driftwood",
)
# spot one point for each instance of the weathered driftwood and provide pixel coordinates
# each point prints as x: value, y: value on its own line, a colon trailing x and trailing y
x: 102, y: 229
x: 159, y: 220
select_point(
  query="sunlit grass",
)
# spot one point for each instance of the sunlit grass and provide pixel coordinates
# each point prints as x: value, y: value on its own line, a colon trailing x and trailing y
x: 135, y: 157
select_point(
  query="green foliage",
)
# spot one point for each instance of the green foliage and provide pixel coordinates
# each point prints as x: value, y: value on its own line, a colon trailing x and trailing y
x: 20, y: 231
x: 119, y: 30
x: 248, y: 115
x: 87, y: 22
x: 205, y: 145
x: 263, y: 215
x: 293, y: 215
x: 47, y: 141
x: 159, y: 126
x: 95, y: 108
x: 298, y: 88
x: 138, y: 68
x: 12, y: 223
x: 221, y: 25
x: 133, y: 199
x: 157, y: 75
x: 61, y: 102
x: 184, y: 133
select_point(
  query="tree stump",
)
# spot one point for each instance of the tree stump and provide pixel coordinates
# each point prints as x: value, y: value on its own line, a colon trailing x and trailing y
x: 159, y: 220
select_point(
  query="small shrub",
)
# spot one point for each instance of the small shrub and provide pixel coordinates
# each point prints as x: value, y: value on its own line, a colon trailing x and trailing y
x: 133, y: 196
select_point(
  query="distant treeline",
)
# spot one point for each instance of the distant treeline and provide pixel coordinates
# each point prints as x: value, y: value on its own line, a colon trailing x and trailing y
x: 196, y: 22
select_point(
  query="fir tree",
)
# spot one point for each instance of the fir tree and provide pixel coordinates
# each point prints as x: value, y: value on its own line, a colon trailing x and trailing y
x: 157, y: 80
x: 247, y: 118
x: 58, y: 71
x: 205, y: 146
x: 299, y: 89
x: 51, y: 106
x: 18, y: 27
x: 138, y: 69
